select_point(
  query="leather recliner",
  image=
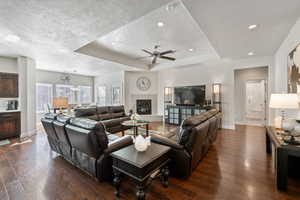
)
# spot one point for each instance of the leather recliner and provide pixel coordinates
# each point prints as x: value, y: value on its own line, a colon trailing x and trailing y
x: 192, y: 142
x: 47, y: 122
x: 84, y: 143
x: 64, y: 142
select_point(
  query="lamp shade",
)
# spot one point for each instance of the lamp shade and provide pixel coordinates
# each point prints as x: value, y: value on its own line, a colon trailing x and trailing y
x: 284, y: 101
x: 60, y: 102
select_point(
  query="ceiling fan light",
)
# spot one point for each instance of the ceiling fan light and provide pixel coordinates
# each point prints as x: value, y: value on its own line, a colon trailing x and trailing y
x: 160, y: 24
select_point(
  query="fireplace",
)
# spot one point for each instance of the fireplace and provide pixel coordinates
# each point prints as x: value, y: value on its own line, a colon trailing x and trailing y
x: 143, y: 106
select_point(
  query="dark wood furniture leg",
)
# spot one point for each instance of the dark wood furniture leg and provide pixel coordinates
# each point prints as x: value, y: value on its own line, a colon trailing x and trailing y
x: 165, y: 176
x: 268, y: 144
x: 123, y: 133
x: 117, y: 183
x: 140, y: 193
x: 282, y: 169
x: 147, y: 130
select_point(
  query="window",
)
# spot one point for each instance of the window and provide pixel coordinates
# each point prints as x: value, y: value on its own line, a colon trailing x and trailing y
x: 68, y: 92
x: 85, y: 94
x: 44, y: 96
x: 116, y: 96
x: 101, y: 98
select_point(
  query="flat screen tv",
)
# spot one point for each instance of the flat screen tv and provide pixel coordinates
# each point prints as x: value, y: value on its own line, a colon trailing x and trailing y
x: 189, y: 95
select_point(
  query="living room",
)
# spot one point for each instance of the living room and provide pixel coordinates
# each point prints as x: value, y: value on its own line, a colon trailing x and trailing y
x: 149, y: 99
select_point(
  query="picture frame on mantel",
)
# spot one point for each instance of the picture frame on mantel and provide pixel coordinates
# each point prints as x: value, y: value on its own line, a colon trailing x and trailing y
x: 293, y: 63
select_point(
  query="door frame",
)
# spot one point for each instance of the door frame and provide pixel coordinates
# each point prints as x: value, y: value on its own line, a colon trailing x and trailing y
x: 265, y: 99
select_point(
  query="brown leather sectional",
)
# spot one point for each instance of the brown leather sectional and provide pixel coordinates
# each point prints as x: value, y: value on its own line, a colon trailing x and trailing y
x: 110, y: 116
x: 87, y: 145
x: 191, y: 142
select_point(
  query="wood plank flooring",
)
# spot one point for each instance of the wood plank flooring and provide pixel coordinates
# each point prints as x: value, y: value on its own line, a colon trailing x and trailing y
x: 236, y: 167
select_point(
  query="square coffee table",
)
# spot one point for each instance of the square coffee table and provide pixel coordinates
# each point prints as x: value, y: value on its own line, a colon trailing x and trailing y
x: 142, y: 167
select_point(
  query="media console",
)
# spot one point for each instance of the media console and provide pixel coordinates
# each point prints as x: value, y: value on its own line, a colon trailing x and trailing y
x: 175, y: 114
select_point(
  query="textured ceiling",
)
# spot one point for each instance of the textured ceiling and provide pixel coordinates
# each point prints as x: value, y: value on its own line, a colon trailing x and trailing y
x: 180, y: 32
x: 51, y: 30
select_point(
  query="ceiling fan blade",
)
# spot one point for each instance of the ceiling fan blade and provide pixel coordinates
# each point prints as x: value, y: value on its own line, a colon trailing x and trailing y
x: 167, y: 52
x: 154, y: 60
x: 168, y: 58
x: 144, y: 57
x: 146, y: 51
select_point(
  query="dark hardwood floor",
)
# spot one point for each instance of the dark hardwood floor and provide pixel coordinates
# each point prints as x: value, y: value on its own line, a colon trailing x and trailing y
x: 236, y: 167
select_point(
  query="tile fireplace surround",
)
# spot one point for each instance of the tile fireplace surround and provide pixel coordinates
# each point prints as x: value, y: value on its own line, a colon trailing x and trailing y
x: 153, y: 97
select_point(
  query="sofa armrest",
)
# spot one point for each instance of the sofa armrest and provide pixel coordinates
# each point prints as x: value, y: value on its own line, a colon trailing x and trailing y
x: 165, y: 141
x: 118, y: 144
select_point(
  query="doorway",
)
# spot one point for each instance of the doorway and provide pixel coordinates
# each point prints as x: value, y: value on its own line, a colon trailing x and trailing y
x: 255, y: 102
x: 251, y: 95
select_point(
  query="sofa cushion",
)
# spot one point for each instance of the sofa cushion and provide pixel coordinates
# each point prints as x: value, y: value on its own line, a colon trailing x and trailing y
x: 114, y: 122
x: 82, y: 112
x: 102, y: 110
x: 105, y: 116
x: 63, y: 119
x: 50, y: 116
x: 93, y: 117
x: 83, y: 123
x: 116, y: 109
x: 117, y: 115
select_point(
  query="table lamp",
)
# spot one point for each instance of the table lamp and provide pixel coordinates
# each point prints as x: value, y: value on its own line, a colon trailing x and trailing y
x: 60, y: 103
x: 284, y: 102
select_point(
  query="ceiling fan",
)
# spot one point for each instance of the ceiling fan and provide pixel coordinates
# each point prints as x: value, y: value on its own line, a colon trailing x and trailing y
x: 157, y: 54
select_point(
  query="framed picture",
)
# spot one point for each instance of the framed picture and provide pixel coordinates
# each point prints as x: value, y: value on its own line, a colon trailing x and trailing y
x: 116, y: 96
x: 294, y: 70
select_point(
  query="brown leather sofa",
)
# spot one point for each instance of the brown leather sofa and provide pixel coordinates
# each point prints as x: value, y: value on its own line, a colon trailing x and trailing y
x: 191, y: 142
x: 110, y: 116
x: 84, y: 143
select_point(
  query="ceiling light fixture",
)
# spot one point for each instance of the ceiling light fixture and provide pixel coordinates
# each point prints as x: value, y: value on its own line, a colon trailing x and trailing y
x: 250, y: 54
x: 253, y: 26
x: 12, y: 38
x: 191, y: 49
x: 160, y: 24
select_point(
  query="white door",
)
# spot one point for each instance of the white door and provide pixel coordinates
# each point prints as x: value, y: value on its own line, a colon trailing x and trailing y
x: 255, y: 102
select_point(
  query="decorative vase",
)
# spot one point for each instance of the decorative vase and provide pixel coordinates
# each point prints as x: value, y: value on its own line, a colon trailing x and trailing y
x: 141, y: 143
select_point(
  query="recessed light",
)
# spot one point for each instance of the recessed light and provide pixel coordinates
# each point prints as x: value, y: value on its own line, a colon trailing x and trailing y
x: 113, y: 43
x: 12, y: 38
x: 160, y: 24
x: 191, y: 49
x: 63, y: 50
x: 252, y: 26
x: 250, y: 54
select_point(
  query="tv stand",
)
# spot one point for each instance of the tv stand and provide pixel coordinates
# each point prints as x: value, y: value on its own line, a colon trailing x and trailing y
x: 175, y: 114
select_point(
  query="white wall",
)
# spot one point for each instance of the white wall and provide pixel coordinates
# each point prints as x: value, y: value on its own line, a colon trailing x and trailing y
x: 217, y: 72
x: 27, y: 95
x: 280, y: 61
x: 241, y: 76
x: 110, y: 80
x: 8, y: 65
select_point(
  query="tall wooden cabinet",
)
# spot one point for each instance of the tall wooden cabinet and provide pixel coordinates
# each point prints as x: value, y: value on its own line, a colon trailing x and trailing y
x: 9, y: 85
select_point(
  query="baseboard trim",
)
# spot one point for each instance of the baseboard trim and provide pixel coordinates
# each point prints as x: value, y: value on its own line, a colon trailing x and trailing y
x: 28, y: 133
x: 231, y: 127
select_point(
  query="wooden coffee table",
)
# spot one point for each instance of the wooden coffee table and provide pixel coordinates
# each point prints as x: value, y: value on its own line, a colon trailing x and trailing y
x: 135, y: 125
x: 142, y: 167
